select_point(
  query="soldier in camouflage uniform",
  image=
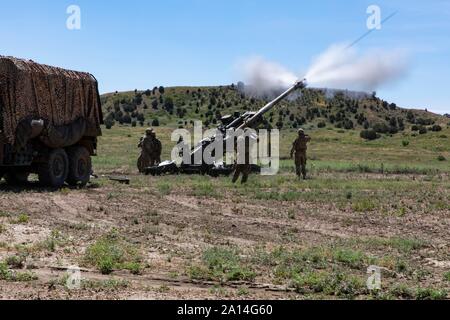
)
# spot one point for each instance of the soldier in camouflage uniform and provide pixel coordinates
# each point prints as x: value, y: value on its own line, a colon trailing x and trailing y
x: 156, y: 150
x: 243, y: 162
x: 299, y: 148
x: 150, y: 151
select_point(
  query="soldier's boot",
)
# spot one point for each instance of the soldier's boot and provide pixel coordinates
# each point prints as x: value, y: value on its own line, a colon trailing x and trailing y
x: 298, y: 171
x: 304, y: 172
x: 236, y: 176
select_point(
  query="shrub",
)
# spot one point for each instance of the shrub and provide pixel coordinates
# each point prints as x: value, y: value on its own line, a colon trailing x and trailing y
x: 321, y: 124
x: 441, y: 158
x: 126, y: 118
x: 155, y: 122
x: 381, y: 128
x: 111, y: 252
x: 369, y: 134
x: 423, y: 130
x: 109, y: 123
x: 405, y: 143
x: 436, y: 128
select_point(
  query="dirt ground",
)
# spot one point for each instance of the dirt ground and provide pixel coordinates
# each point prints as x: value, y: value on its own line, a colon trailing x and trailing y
x: 171, y: 221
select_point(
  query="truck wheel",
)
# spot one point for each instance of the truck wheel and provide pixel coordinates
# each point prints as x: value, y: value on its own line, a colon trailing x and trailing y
x: 80, y: 166
x: 54, y: 172
x: 15, y: 178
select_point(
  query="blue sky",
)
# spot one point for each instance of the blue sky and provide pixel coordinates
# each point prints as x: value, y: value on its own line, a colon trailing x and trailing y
x: 139, y: 44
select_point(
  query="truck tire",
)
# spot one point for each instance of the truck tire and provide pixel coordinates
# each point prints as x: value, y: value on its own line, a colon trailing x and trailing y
x: 54, y: 172
x: 80, y: 166
x: 16, y: 178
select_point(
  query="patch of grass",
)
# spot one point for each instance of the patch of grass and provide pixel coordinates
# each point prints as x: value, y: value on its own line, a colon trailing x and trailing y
x: 447, y: 276
x: 406, y: 245
x: 16, y: 261
x: 111, y: 252
x: 134, y: 267
x: 351, y: 258
x: 221, y: 264
x: 278, y: 195
x: 204, y: 189
x: 51, y: 242
x: 21, y: 219
x: 402, y: 291
x: 108, y: 285
x: 153, y: 217
x: 403, y: 245
x: 164, y: 188
x: 4, y: 214
x: 243, y: 292
x: 331, y: 284
x: 364, y: 205
x: 8, y: 275
x: 430, y: 294
x: 2, y: 228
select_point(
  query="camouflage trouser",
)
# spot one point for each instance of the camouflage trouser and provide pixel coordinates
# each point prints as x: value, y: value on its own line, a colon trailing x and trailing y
x: 300, y: 164
x: 241, y: 168
x: 144, y: 161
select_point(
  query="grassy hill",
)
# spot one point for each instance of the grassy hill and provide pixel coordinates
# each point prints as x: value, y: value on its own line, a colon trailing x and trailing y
x: 315, y: 108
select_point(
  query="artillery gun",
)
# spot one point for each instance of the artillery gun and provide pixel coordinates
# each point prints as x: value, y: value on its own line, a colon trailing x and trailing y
x: 228, y: 123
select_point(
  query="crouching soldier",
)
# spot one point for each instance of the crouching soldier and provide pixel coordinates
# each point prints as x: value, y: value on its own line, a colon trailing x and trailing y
x: 299, y: 148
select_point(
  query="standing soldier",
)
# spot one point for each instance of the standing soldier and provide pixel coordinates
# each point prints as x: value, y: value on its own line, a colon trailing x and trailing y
x: 156, y: 150
x: 245, y: 142
x: 145, y: 144
x: 299, y: 148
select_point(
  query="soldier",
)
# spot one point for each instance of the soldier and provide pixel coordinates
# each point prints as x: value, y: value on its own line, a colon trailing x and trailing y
x: 156, y: 150
x: 299, y: 148
x: 146, y: 145
x: 243, y: 163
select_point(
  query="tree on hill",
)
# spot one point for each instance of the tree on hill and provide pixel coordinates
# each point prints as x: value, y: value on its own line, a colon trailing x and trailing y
x: 161, y: 90
x: 126, y: 118
x: 155, y: 104
x: 155, y: 122
x: 369, y: 134
x: 168, y: 104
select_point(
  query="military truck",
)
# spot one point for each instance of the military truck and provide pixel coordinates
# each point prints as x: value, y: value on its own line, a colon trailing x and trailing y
x: 49, y: 123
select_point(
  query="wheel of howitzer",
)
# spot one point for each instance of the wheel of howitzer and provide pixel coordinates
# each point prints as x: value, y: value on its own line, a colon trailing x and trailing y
x: 15, y: 178
x: 80, y: 166
x: 54, y: 172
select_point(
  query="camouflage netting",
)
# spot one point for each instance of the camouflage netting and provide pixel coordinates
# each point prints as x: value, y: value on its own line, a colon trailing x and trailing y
x: 63, y: 99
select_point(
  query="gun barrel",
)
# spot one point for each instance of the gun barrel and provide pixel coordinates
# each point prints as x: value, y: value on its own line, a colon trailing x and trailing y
x: 272, y: 104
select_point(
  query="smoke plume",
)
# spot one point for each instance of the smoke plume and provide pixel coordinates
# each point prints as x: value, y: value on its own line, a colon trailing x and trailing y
x: 343, y: 68
x: 264, y: 78
x: 338, y: 67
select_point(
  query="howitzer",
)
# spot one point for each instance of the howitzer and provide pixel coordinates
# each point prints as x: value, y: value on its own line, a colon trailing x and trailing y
x: 229, y: 124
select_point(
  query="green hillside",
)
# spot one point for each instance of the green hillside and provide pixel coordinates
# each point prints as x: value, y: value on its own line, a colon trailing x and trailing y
x: 315, y: 108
